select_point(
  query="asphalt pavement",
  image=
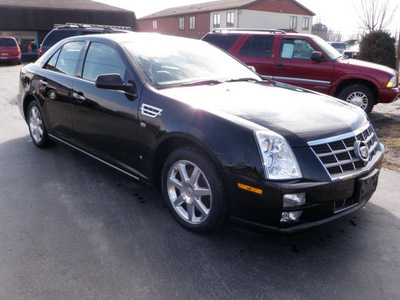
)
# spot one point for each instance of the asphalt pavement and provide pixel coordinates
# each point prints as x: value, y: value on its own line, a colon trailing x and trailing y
x: 72, y: 228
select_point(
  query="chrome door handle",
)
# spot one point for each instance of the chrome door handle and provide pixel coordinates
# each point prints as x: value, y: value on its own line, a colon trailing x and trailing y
x: 78, y: 96
x: 43, y: 82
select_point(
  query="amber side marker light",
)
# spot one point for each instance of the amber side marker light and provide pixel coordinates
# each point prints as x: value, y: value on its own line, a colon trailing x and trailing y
x: 250, y: 189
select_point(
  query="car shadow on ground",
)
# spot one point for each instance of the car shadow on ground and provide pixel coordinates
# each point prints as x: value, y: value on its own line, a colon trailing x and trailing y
x: 90, y: 213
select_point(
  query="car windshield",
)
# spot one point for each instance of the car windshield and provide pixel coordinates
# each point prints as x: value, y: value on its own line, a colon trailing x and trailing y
x: 332, y: 53
x: 169, y: 61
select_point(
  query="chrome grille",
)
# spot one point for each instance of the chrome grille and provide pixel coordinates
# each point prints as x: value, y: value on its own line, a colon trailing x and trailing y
x: 338, y: 155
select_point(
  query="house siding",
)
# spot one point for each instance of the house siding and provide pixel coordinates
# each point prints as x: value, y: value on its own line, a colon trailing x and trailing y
x: 281, y: 6
x: 170, y: 25
x: 268, y: 20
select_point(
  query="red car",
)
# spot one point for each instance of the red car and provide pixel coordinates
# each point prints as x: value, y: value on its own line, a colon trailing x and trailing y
x: 9, y: 49
x: 309, y: 62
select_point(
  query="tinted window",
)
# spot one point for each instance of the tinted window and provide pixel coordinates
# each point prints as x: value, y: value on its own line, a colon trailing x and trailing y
x: 296, y: 49
x: 8, y: 43
x: 51, y: 64
x: 258, y: 46
x: 223, y: 41
x: 102, y: 59
x: 66, y: 62
x: 56, y: 36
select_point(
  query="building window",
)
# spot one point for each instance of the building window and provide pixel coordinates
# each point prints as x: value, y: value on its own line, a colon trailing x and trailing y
x: 306, y: 23
x: 192, y: 24
x: 217, y: 20
x: 230, y: 19
x: 154, y: 24
x: 182, y: 23
x: 293, y: 22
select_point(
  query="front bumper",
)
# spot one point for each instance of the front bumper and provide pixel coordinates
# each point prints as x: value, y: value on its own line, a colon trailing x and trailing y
x: 388, y: 95
x: 325, y: 201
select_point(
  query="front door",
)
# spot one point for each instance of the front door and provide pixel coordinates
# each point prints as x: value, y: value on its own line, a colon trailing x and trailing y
x: 294, y: 66
x: 105, y: 121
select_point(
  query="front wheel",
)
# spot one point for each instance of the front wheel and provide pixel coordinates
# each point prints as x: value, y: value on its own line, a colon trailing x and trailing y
x: 193, y: 190
x: 37, y: 129
x: 359, y: 95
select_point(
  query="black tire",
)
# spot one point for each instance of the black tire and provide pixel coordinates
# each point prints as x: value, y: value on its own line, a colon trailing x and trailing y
x: 37, y: 128
x: 193, y: 190
x: 359, y: 95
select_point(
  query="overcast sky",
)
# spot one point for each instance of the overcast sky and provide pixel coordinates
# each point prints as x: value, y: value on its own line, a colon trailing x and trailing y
x: 341, y: 16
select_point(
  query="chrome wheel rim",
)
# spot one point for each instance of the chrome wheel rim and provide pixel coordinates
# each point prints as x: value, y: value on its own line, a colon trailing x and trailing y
x: 35, y: 124
x: 189, y: 192
x: 359, y: 99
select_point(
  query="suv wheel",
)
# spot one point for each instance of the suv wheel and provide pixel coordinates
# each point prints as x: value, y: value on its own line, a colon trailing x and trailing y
x: 359, y: 95
x: 193, y: 190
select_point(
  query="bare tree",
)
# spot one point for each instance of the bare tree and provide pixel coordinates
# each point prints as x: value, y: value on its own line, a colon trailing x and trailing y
x: 334, y: 36
x: 375, y: 15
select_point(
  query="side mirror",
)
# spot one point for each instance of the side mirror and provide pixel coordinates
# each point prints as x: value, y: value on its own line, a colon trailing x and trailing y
x: 316, y: 56
x: 252, y: 68
x: 114, y: 82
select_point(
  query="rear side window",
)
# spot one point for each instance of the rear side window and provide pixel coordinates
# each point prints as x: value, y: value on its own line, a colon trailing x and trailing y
x: 223, y: 41
x: 258, y: 46
x: 102, y: 59
x: 66, y: 60
x: 57, y: 35
x: 8, y: 43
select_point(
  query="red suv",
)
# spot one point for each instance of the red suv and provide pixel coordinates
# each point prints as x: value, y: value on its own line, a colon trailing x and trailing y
x: 309, y: 62
x: 9, y: 49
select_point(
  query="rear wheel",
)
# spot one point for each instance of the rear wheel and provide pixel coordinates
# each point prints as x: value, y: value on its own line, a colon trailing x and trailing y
x: 359, y: 95
x: 37, y: 129
x: 193, y: 190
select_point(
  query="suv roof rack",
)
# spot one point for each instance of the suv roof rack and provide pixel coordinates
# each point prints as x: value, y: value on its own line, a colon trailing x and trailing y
x: 249, y: 29
x: 81, y: 25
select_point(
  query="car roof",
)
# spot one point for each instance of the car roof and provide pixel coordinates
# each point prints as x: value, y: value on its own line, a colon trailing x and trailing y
x: 124, y: 37
x: 254, y: 31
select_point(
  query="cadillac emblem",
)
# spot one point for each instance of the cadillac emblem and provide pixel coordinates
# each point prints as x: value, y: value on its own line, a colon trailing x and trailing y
x: 361, y: 151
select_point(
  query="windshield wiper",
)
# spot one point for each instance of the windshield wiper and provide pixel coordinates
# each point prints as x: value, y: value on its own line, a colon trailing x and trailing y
x: 242, y: 79
x: 192, y: 83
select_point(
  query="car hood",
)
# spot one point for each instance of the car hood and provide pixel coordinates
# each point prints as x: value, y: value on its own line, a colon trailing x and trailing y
x: 360, y: 64
x: 298, y: 115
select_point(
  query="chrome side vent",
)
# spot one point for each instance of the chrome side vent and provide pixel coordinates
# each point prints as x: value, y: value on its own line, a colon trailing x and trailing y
x: 150, y: 111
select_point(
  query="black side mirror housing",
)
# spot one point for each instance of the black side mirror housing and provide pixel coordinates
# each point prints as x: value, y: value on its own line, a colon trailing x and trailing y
x: 114, y: 81
x: 316, y: 56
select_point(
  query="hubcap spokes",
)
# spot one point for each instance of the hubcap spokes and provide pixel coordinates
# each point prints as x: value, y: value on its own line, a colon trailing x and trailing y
x: 189, y: 192
x: 359, y: 99
x: 36, y: 124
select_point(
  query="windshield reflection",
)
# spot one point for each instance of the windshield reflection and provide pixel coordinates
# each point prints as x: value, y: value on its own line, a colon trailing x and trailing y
x: 171, y: 61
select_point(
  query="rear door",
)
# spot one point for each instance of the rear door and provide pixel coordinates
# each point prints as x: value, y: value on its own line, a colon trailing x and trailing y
x: 54, y: 84
x: 293, y: 65
x: 258, y: 51
x: 105, y: 121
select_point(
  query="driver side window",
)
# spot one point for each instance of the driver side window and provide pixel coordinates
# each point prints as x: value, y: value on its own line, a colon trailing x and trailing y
x: 102, y: 59
x: 296, y: 49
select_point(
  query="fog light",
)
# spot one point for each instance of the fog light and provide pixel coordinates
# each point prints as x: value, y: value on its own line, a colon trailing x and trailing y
x: 294, y: 200
x: 291, y: 216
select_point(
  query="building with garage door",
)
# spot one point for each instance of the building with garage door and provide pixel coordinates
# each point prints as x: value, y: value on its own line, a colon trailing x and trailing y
x: 30, y: 20
x: 196, y: 20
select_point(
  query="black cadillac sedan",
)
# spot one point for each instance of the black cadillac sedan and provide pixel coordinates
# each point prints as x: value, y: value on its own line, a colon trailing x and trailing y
x: 218, y: 140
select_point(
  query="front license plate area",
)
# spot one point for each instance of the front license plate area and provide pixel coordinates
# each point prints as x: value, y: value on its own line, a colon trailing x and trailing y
x: 366, y: 186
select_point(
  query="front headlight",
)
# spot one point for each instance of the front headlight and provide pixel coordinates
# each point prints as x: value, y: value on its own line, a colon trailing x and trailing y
x: 278, y: 159
x: 392, y: 82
